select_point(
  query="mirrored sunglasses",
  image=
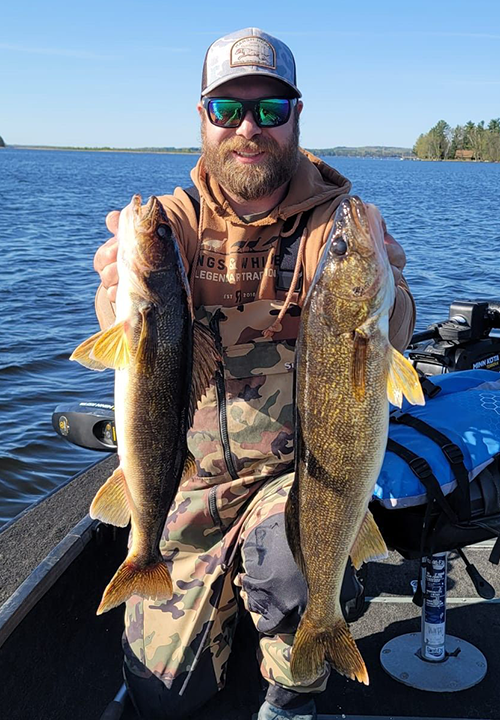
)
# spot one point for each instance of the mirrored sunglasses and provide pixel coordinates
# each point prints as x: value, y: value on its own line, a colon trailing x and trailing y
x: 230, y: 112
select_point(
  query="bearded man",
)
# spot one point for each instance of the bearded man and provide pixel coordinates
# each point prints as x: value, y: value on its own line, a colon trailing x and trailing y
x: 251, y: 231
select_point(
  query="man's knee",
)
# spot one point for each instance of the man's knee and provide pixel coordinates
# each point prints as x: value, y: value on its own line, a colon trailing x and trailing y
x: 274, y: 586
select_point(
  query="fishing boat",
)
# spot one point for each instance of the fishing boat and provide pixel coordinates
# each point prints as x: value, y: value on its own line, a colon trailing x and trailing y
x: 58, y: 660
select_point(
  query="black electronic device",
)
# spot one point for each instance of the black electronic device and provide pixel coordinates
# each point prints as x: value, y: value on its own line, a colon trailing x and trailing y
x: 88, y: 424
x: 462, y: 342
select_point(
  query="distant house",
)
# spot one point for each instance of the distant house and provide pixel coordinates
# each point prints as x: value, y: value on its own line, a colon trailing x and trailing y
x: 464, y: 155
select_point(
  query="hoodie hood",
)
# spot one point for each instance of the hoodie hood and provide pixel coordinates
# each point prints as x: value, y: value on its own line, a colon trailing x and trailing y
x: 314, y: 183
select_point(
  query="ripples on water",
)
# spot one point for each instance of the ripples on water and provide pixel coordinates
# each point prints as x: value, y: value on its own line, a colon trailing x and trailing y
x: 52, y: 210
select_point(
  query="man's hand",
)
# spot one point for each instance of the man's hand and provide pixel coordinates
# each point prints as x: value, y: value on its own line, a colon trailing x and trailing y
x: 105, y: 258
x: 395, y: 253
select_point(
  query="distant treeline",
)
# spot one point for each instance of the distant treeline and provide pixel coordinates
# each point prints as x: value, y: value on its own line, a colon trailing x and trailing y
x: 378, y: 151
x: 105, y: 148
x: 464, y: 142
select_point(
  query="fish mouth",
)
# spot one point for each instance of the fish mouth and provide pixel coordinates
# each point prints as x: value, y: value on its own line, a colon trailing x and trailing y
x: 151, y: 212
x: 152, y: 250
x: 352, y: 220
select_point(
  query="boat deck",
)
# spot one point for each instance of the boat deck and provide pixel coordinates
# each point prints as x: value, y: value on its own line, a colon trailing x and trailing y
x: 61, y: 661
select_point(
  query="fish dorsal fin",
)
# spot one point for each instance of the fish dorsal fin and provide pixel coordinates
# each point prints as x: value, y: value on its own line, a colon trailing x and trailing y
x: 369, y: 543
x: 189, y: 467
x: 206, y: 358
x: 292, y: 526
x: 403, y: 380
x: 110, y: 504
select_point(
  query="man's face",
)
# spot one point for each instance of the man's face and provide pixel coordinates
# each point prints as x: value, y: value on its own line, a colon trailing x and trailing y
x: 251, y: 162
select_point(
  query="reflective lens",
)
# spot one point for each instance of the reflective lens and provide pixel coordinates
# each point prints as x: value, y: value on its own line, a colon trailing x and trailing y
x: 225, y: 113
x: 272, y: 112
x: 267, y: 112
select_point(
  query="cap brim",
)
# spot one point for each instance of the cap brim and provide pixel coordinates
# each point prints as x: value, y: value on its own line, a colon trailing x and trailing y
x: 245, y: 73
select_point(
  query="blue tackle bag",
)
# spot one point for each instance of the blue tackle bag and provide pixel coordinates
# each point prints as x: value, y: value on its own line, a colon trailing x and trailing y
x: 439, y: 486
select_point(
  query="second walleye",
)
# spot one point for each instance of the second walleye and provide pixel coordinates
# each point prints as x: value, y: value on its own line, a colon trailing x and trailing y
x: 164, y: 361
x: 346, y: 372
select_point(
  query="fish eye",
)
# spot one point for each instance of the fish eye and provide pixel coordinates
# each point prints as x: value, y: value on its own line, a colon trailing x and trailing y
x: 162, y: 231
x: 339, y: 246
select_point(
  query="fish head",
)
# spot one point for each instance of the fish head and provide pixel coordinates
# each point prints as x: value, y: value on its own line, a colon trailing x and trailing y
x: 353, y: 280
x: 148, y: 251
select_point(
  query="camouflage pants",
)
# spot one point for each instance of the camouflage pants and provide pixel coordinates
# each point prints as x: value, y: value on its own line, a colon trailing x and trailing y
x: 176, y: 652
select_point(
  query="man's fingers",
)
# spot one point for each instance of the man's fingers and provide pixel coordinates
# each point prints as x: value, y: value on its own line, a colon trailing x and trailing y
x: 112, y: 221
x: 106, y: 254
x: 109, y: 275
x: 397, y: 274
x: 112, y: 293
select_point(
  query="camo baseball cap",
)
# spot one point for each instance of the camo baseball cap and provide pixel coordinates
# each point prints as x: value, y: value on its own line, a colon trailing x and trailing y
x: 248, y: 52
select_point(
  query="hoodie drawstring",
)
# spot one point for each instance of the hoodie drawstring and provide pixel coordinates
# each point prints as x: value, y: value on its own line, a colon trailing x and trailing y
x: 269, y: 332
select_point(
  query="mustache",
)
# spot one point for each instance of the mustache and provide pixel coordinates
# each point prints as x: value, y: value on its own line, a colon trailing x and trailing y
x: 260, y: 144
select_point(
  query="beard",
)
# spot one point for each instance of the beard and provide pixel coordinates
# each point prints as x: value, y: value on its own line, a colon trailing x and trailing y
x: 251, y: 182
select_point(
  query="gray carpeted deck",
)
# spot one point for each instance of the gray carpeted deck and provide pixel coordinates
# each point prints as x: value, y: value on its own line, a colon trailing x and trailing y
x: 64, y: 662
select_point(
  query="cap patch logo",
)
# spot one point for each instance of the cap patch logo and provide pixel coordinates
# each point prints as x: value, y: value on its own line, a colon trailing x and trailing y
x: 253, y: 51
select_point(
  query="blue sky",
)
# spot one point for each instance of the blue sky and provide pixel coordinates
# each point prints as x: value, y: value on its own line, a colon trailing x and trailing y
x: 127, y: 74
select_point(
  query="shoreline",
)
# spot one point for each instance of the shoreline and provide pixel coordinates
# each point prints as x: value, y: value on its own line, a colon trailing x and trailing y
x: 159, y: 151
x: 106, y: 149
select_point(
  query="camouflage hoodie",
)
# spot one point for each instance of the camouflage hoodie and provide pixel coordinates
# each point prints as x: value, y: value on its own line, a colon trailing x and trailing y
x: 242, y: 432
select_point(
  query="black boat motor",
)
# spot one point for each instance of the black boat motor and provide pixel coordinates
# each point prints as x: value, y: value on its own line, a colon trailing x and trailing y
x: 463, y: 342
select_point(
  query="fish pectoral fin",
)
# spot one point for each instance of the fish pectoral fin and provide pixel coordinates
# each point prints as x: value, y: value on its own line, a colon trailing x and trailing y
x: 369, y: 543
x: 83, y: 354
x: 106, y: 349
x: 147, y: 349
x: 313, y: 645
x: 110, y: 503
x: 189, y: 467
x: 359, y: 365
x: 403, y: 380
x: 206, y: 358
x: 151, y: 581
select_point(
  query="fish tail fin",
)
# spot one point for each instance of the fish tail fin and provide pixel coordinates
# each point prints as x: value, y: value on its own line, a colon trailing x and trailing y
x: 403, y: 380
x: 150, y: 581
x: 314, y: 645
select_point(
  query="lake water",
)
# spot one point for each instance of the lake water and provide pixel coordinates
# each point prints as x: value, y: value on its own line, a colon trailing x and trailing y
x: 52, y: 209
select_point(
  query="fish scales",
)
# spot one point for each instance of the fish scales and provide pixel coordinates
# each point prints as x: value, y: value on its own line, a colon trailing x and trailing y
x: 336, y: 453
x: 151, y: 414
x: 343, y: 374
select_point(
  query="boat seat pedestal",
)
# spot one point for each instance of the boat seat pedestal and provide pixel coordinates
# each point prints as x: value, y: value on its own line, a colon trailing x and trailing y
x: 431, y: 660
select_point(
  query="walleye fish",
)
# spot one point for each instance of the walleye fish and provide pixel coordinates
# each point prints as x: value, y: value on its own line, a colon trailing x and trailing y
x: 346, y: 371
x: 164, y: 361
